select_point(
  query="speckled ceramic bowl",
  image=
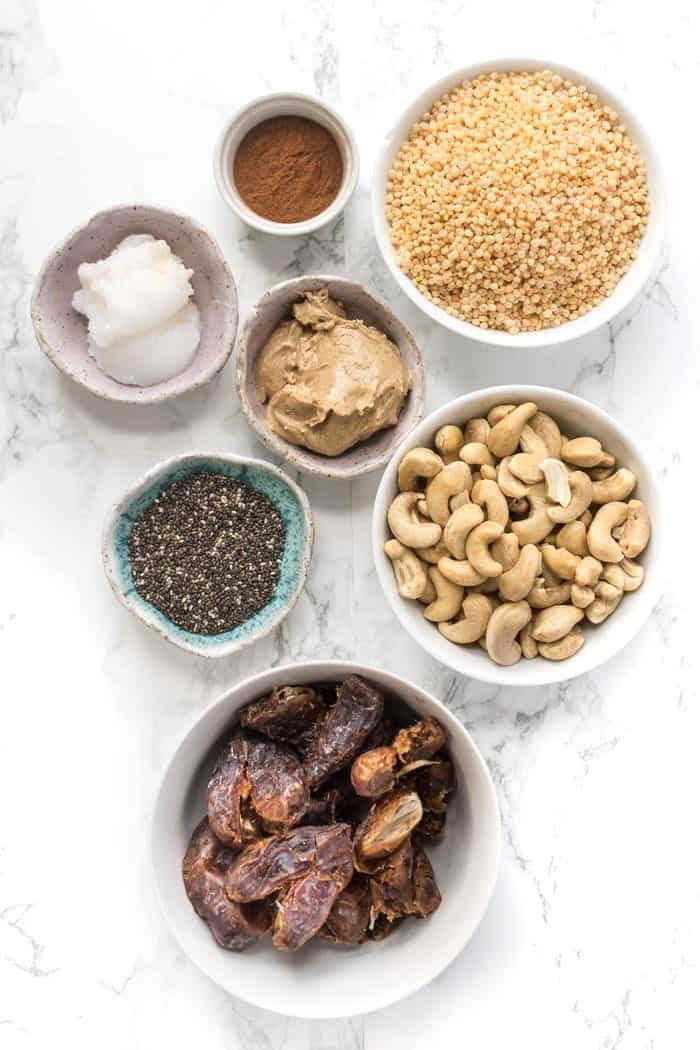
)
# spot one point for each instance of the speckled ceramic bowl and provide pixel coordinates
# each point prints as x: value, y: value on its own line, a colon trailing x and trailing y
x: 62, y: 332
x: 275, y: 307
x: 274, y: 483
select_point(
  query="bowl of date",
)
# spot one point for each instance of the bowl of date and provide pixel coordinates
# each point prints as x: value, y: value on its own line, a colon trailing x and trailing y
x: 325, y: 839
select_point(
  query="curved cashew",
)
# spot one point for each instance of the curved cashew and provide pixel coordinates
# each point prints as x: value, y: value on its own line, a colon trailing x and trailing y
x: 548, y: 430
x: 451, y: 480
x: 422, y: 507
x: 477, y: 612
x: 507, y: 482
x: 497, y: 413
x: 476, y: 430
x: 527, y: 642
x: 418, y: 463
x: 582, y: 451
x: 516, y: 583
x: 477, y: 548
x: 552, y: 624
x: 506, y: 550
x: 565, y: 648
x: 581, y: 597
x: 505, y: 435
x: 537, y: 525
x: 411, y: 575
x: 462, y: 573
x: 637, y: 530
x: 573, y: 538
x: 429, y: 593
x: 614, y: 575
x: 600, y: 541
x: 560, y: 561
x: 459, y: 524
x: 433, y: 554
x: 448, y: 601
x: 448, y: 441
x: 634, y: 574
x: 600, y: 609
x: 588, y: 571
x: 543, y: 597
x: 581, y: 494
x: 532, y: 444
x: 406, y: 525
x: 607, y: 591
x: 556, y: 478
x: 503, y: 628
x: 526, y: 467
x: 487, y: 494
x: 487, y: 472
x: 461, y: 499
x: 476, y: 455
x: 615, y: 488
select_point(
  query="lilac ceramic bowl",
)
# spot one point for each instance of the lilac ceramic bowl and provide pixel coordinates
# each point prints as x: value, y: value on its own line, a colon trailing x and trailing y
x: 62, y: 332
x: 275, y: 307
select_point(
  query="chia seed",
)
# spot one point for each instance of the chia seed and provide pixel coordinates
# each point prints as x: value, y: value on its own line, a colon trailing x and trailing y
x: 207, y: 552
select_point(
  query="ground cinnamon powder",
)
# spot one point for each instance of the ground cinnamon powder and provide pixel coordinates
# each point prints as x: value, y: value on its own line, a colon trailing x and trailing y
x: 288, y: 169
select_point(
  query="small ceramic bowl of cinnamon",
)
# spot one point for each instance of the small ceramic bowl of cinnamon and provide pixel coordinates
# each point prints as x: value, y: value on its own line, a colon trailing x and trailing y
x: 286, y: 164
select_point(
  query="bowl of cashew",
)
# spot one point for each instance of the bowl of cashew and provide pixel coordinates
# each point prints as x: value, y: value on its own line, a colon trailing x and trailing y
x: 518, y: 534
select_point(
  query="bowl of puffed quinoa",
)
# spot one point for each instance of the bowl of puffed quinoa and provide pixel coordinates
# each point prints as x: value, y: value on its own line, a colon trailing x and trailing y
x: 519, y: 203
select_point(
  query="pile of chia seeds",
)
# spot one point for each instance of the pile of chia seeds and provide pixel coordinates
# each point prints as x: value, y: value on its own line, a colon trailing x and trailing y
x: 207, y: 552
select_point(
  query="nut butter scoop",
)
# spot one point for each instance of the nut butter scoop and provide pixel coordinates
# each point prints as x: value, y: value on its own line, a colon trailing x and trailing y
x: 329, y: 382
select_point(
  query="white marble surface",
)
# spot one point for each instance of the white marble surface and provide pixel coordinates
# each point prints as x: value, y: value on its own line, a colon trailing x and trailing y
x: 592, y: 940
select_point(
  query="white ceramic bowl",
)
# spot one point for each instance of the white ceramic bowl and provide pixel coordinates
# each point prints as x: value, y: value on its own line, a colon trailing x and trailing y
x: 284, y: 104
x: 62, y: 332
x: 264, y: 477
x: 576, y: 417
x: 276, y: 307
x: 628, y: 288
x: 323, y: 980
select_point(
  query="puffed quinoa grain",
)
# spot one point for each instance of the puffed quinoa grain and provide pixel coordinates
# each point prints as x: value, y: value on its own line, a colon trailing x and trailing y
x: 518, y: 202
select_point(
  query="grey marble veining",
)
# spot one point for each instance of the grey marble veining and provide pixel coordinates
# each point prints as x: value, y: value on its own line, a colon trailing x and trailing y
x: 592, y: 941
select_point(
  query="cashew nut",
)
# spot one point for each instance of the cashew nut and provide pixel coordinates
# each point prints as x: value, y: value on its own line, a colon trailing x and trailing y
x: 448, y: 441
x: 476, y: 455
x: 600, y: 541
x: 588, y: 571
x: 565, y: 648
x: 460, y: 572
x: 506, y: 550
x: 532, y: 444
x: 556, y: 478
x: 508, y: 483
x: 586, y: 518
x: 429, y: 593
x: 448, y: 601
x: 548, y: 430
x: 487, y: 472
x: 476, y: 430
x: 543, y: 597
x: 527, y: 642
x: 552, y: 624
x: 451, y: 480
x: 459, y: 525
x: 637, y: 530
x: 607, y: 591
x: 477, y: 612
x: 634, y: 574
x: 581, y: 597
x: 581, y: 494
x: 505, y: 624
x: 560, y: 561
x: 505, y: 435
x: 418, y: 463
x: 526, y: 467
x: 433, y: 554
x: 477, y: 548
x: 582, y: 451
x: 516, y: 583
x: 407, y: 526
x: 600, y: 609
x: 615, y: 488
x: 487, y: 494
x: 461, y: 499
x: 537, y: 525
x: 614, y: 575
x: 497, y: 413
x: 573, y: 538
x: 410, y: 573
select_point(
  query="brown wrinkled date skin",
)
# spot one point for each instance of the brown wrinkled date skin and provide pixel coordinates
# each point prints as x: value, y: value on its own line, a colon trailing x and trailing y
x: 316, y: 810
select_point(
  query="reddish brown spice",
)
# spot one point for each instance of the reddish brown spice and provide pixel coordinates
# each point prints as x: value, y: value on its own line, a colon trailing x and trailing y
x: 288, y: 169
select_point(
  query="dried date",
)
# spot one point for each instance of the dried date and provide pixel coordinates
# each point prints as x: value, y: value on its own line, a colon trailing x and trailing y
x: 279, y: 791
x: 426, y: 895
x: 374, y: 772
x: 338, y: 737
x: 349, y: 918
x: 391, y: 886
x: 421, y: 740
x: 388, y: 823
x: 230, y: 812
x: 286, y: 713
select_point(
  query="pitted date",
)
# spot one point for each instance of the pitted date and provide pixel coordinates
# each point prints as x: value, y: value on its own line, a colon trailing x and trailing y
x: 421, y: 740
x: 389, y: 822
x: 230, y: 811
x: 341, y: 734
x: 286, y: 713
x: 279, y: 791
x: 374, y: 772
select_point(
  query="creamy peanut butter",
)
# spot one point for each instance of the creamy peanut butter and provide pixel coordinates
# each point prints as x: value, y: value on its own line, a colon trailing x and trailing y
x: 329, y: 382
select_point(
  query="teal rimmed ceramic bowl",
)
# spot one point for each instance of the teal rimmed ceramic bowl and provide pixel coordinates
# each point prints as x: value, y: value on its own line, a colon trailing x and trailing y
x: 264, y: 477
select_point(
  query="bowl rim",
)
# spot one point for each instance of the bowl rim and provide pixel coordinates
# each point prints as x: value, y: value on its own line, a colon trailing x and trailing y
x: 303, y: 459
x: 636, y: 276
x: 159, y: 470
x: 550, y: 672
x: 258, y: 222
x: 386, y: 679
x: 156, y: 393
